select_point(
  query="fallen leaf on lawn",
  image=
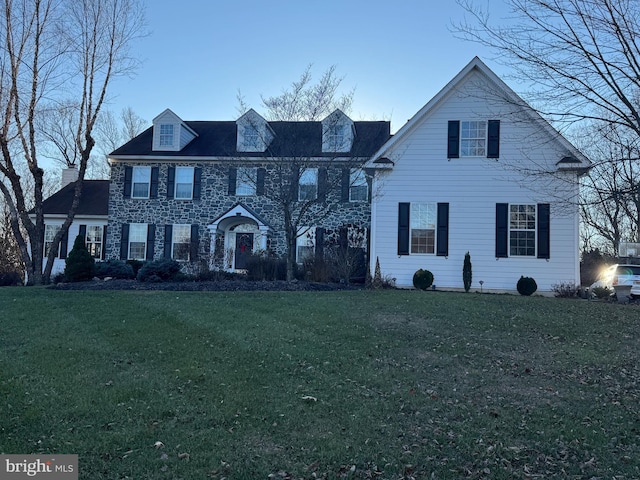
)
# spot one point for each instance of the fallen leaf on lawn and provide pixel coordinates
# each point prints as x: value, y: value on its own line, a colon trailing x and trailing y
x: 183, y: 456
x: 164, y: 456
x: 309, y: 398
x: 158, y: 444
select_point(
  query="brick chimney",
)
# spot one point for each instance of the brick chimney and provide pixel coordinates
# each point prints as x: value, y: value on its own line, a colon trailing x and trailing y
x: 69, y: 175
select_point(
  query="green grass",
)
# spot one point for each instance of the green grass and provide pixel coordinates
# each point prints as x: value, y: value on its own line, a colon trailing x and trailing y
x: 407, y: 384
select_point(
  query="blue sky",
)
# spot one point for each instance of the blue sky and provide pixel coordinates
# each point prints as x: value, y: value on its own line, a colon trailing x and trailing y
x: 200, y: 53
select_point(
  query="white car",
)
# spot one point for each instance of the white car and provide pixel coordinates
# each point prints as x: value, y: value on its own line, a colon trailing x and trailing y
x: 621, y: 275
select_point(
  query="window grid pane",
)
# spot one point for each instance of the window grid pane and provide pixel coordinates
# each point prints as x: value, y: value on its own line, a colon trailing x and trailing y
x: 141, y: 182
x: 359, y: 189
x: 137, y: 241
x: 423, y: 227
x: 184, y: 183
x: 246, y: 181
x: 181, y: 242
x: 473, y: 139
x: 308, y: 185
x: 251, y: 137
x: 50, y: 232
x: 522, y: 230
x: 94, y: 240
x: 166, y: 135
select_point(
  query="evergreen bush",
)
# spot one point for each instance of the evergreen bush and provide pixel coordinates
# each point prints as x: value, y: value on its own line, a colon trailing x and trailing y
x: 114, y: 269
x: 422, y: 279
x: 526, y: 286
x: 79, y: 265
x: 466, y: 272
x: 163, y: 270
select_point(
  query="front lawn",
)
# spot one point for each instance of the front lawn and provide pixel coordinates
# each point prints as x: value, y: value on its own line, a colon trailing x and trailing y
x: 351, y: 384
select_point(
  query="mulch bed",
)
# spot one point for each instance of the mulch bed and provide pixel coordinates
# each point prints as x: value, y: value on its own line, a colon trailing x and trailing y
x: 205, y: 286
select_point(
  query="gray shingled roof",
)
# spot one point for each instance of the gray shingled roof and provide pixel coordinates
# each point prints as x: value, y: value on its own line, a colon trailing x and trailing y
x: 94, y: 199
x: 218, y: 139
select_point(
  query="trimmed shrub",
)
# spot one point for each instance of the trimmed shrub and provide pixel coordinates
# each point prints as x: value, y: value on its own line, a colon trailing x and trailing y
x: 9, y: 279
x: 526, y: 286
x: 466, y: 272
x: 136, y: 265
x: 114, y: 269
x: 79, y: 265
x: 163, y: 270
x: 422, y: 279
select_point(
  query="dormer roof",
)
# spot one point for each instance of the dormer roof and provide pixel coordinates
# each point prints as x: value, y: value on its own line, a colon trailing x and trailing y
x: 171, y: 133
x: 254, y: 132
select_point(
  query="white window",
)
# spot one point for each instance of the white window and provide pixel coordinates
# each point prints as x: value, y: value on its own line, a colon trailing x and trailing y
x: 184, y: 183
x: 308, y: 185
x: 251, y: 138
x: 94, y: 240
x: 181, y: 242
x: 522, y: 230
x: 50, y: 231
x: 423, y: 227
x: 358, y: 186
x: 305, y: 244
x: 246, y: 180
x: 473, y: 139
x: 137, y: 241
x: 166, y: 135
x: 141, y: 182
x: 336, y: 137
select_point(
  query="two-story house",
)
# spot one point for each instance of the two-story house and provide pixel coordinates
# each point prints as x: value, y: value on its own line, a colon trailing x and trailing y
x: 208, y: 193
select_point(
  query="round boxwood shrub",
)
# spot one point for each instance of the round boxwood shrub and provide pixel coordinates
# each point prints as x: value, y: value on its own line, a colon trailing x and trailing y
x: 114, y: 269
x: 526, y: 286
x: 422, y: 279
x: 163, y: 270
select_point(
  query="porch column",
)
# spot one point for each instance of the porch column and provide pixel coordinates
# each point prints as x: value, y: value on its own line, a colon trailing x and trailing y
x: 213, y: 233
x: 264, y: 230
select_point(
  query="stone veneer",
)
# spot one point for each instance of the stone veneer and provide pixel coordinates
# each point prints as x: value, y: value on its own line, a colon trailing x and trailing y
x: 214, y: 202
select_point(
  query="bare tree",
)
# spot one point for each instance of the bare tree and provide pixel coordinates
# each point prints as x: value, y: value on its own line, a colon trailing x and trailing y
x: 580, y: 57
x: 55, y: 51
x: 610, y: 205
x: 304, y: 101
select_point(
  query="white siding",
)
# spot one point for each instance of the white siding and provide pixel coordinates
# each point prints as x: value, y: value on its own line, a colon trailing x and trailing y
x: 472, y: 187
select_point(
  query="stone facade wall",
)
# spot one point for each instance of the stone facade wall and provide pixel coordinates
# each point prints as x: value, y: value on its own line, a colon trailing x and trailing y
x: 215, y: 201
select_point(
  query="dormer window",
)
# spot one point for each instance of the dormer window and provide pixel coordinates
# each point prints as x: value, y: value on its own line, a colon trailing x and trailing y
x: 336, y: 137
x: 166, y: 135
x: 251, y: 138
x: 338, y: 133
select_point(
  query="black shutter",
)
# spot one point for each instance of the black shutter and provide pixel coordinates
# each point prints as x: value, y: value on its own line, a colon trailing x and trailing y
x: 502, y: 230
x: 233, y: 175
x: 155, y: 173
x: 262, y: 173
x: 171, y: 181
x: 64, y: 244
x: 128, y: 177
x: 319, y: 243
x: 82, y: 231
x: 453, y: 145
x: 403, y: 228
x: 322, y: 184
x: 168, y: 237
x: 493, y: 139
x: 124, y: 242
x: 103, y: 247
x: 346, y: 184
x: 195, y: 243
x: 442, y: 232
x: 151, y: 240
x: 544, y: 230
x: 197, y: 183
x: 295, y: 183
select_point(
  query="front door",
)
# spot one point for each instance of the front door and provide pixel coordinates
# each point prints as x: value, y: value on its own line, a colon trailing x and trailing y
x: 244, y: 247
